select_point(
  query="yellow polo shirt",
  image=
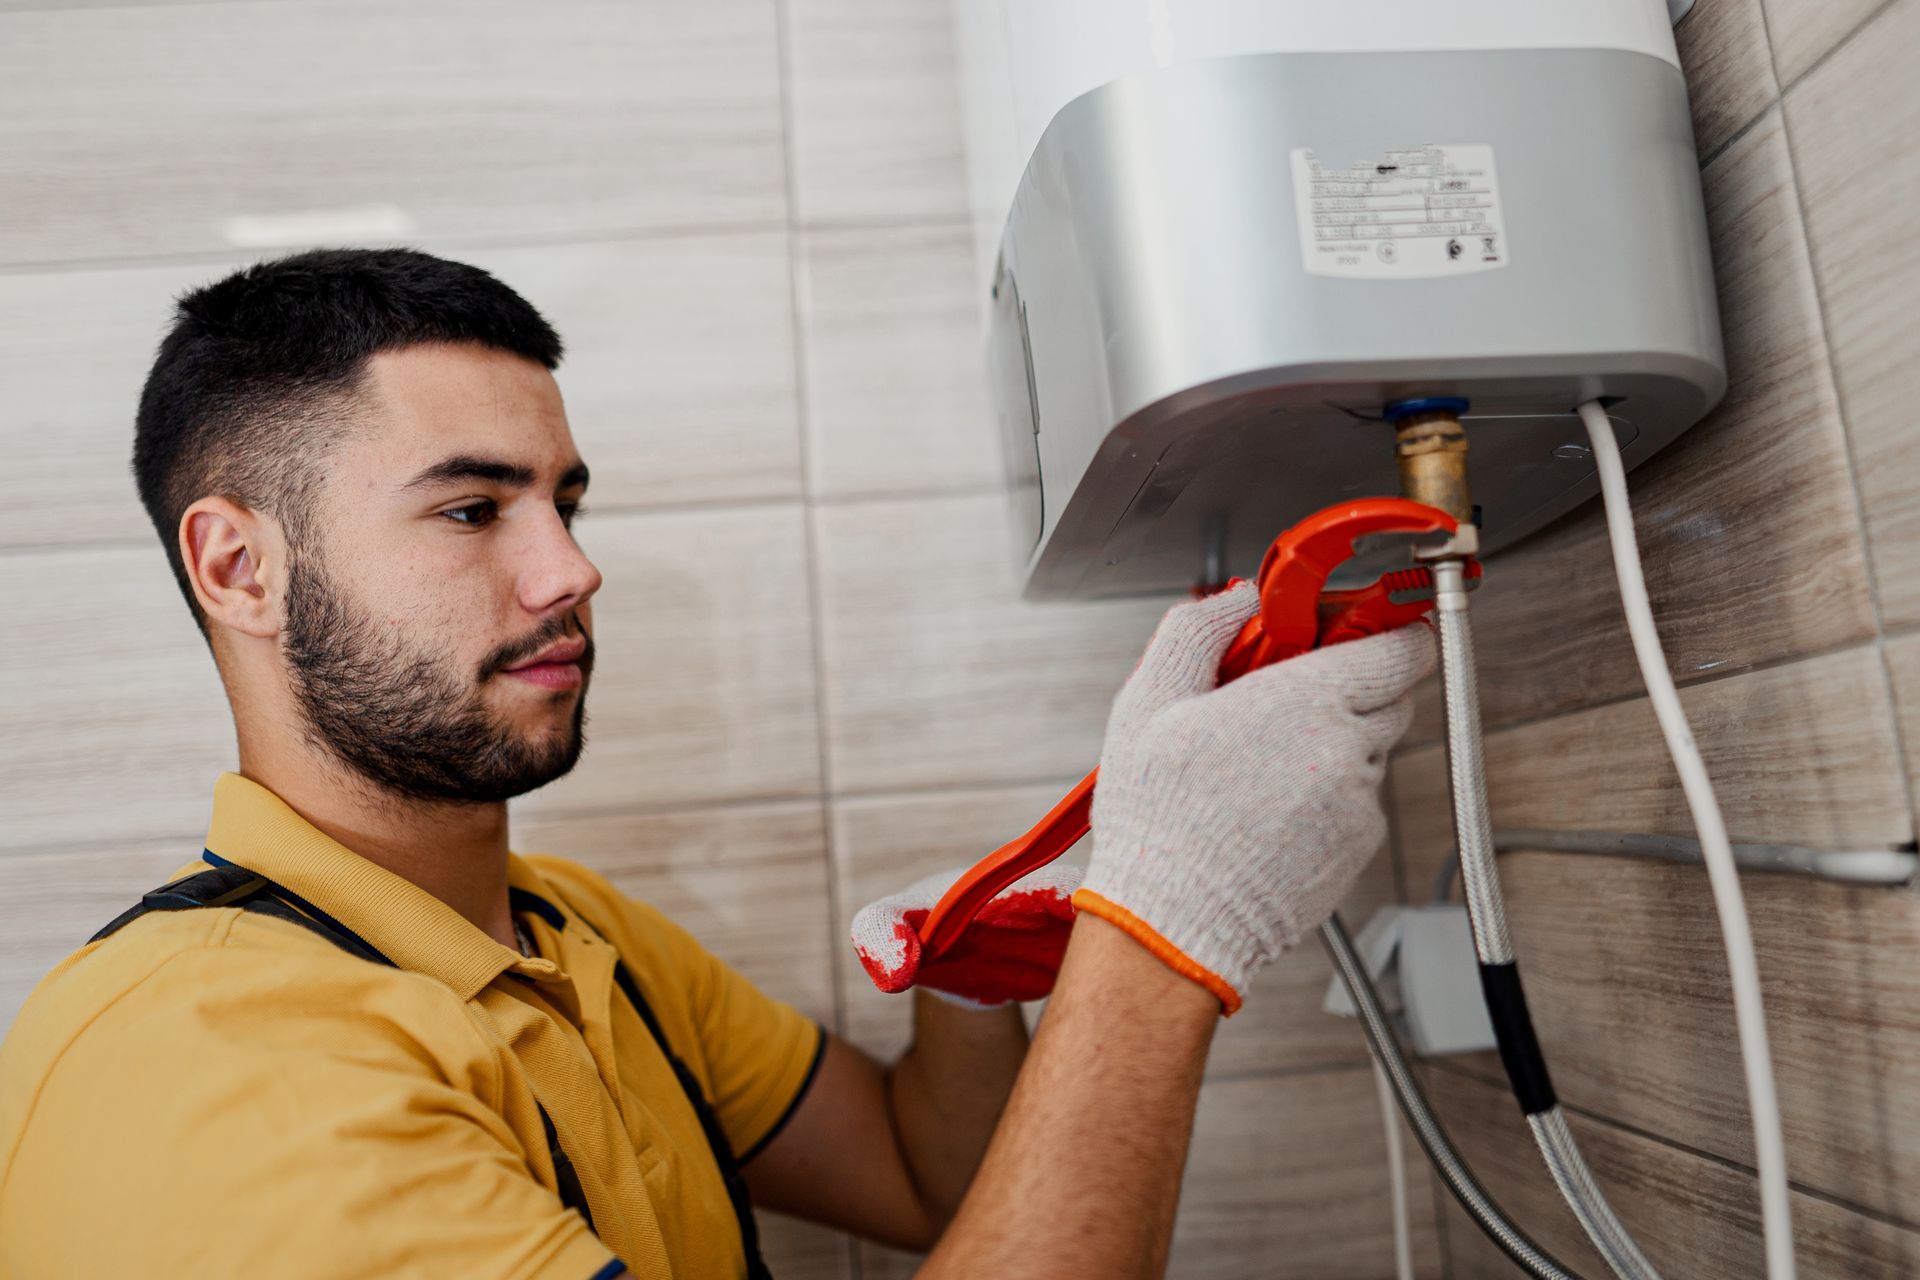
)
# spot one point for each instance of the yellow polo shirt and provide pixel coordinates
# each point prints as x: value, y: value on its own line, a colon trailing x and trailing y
x: 213, y: 1091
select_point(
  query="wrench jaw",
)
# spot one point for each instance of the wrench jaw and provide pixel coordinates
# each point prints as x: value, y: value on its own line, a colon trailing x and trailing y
x: 1297, y: 614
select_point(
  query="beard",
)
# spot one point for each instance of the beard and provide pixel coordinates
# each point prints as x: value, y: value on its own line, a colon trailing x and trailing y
x: 408, y: 722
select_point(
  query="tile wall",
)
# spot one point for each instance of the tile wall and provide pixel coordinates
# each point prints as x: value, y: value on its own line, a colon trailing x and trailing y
x: 1781, y: 538
x: 816, y: 682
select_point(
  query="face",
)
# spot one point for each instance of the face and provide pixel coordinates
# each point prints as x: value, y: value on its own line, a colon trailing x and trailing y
x: 437, y: 633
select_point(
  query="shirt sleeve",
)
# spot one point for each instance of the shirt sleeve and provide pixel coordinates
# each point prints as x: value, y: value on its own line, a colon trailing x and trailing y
x: 761, y: 1055
x: 291, y: 1122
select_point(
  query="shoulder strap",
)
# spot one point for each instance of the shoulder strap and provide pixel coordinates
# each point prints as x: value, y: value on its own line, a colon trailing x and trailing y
x: 230, y: 885
x: 716, y: 1136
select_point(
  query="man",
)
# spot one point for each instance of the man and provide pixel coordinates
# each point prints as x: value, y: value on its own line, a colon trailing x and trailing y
x: 362, y: 1037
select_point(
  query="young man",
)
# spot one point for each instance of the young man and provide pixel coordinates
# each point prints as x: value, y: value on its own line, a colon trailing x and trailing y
x: 362, y: 1037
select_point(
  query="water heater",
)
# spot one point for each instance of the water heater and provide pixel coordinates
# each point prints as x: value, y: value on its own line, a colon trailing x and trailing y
x: 1218, y: 237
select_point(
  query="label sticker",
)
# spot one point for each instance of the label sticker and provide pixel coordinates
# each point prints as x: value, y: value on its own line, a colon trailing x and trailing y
x: 1417, y: 211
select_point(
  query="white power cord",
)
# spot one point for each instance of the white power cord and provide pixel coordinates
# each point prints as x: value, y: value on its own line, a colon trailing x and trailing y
x: 1743, y: 970
x: 1396, y: 1170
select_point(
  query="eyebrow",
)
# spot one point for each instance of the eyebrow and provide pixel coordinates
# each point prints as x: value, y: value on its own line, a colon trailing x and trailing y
x: 512, y: 475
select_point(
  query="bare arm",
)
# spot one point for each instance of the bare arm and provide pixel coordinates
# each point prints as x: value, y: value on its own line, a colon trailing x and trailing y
x: 1083, y: 1176
x: 887, y: 1153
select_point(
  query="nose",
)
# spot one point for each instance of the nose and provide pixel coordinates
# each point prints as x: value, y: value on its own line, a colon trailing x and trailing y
x: 557, y: 576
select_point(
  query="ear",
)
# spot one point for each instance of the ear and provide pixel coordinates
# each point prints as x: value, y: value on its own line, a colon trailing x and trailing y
x: 236, y: 560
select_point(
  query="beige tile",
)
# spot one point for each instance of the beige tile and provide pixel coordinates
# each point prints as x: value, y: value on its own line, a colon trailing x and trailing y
x: 1623, y: 960
x: 875, y: 111
x: 1294, y: 1168
x: 1903, y: 666
x: 1694, y: 1216
x: 115, y: 724
x: 678, y: 375
x: 1802, y: 753
x: 74, y: 351
x: 1804, y: 31
x: 470, y: 119
x: 896, y: 384
x: 797, y: 1250
x: 1861, y: 198
x: 1723, y: 49
x: 749, y: 882
x: 703, y: 679
x: 1748, y: 525
x: 937, y: 672
x: 882, y: 844
x: 54, y: 902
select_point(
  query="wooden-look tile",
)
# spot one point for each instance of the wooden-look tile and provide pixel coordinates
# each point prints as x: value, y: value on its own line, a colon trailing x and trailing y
x: 749, y: 882
x: 51, y: 903
x: 896, y: 384
x: 1723, y: 50
x: 1623, y: 959
x: 74, y: 351
x: 679, y: 373
x: 1727, y: 516
x: 703, y: 677
x: 1287, y: 1176
x: 1861, y: 198
x: 1903, y: 666
x: 1694, y: 1216
x: 678, y: 376
x: 1802, y: 753
x: 874, y: 111
x: 797, y: 1250
x: 454, y: 119
x: 882, y: 844
x: 1804, y: 31
x: 937, y: 672
x: 116, y: 724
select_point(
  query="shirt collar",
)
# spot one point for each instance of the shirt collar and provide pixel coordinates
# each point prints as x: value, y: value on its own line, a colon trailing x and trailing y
x: 258, y: 830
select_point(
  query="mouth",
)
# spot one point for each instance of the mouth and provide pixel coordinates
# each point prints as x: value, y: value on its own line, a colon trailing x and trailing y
x: 555, y: 667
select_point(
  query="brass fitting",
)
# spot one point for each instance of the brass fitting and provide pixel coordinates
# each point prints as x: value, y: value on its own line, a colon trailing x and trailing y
x: 1431, y: 448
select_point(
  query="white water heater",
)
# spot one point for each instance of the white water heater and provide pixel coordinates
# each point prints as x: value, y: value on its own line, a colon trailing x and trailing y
x: 1219, y: 238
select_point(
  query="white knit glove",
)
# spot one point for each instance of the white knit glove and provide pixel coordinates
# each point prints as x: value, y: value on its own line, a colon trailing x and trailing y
x: 1229, y: 822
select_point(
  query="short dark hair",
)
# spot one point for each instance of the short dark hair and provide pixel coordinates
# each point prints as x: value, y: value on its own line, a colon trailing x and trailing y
x: 256, y: 378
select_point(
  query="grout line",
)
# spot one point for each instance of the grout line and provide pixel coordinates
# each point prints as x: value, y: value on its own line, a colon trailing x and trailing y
x: 1821, y: 312
x: 1674, y: 1144
x: 1832, y: 49
x: 225, y: 257
x: 1286, y: 1073
x: 1698, y: 681
x: 1727, y: 143
x: 810, y: 551
x: 610, y: 507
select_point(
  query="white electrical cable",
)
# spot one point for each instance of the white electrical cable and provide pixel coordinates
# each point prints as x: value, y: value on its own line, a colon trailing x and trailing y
x: 1396, y: 1170
x: 1743, y: 970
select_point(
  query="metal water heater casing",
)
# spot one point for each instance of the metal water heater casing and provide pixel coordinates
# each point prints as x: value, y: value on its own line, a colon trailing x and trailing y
x: 1218, y: 236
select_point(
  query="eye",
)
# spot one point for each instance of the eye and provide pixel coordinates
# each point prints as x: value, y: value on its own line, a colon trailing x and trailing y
x: 571, y: 511
x: 477, y: 514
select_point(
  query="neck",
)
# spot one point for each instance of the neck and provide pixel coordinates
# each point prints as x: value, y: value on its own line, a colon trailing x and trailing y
x: 457, y: 852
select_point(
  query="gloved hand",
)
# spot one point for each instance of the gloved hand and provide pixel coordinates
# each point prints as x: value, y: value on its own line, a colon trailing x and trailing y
x: 1229, y: 822
x: 1011, y: 950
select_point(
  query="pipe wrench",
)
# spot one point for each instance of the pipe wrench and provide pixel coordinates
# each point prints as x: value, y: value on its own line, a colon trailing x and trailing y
x: 1296, y: 614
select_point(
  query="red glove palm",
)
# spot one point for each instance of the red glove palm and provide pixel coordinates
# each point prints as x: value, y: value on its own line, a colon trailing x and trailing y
x: 1011, y: 951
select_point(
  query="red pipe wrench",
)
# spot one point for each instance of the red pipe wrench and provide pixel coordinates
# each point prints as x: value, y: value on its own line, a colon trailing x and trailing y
x: 1296, y: 614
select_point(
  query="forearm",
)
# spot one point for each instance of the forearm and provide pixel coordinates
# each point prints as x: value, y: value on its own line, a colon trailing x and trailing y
x: 948, y: 1091
x: 1083, y: 1174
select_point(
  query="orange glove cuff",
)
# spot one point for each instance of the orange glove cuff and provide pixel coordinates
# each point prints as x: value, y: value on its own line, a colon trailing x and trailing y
x: 1147, y: 936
